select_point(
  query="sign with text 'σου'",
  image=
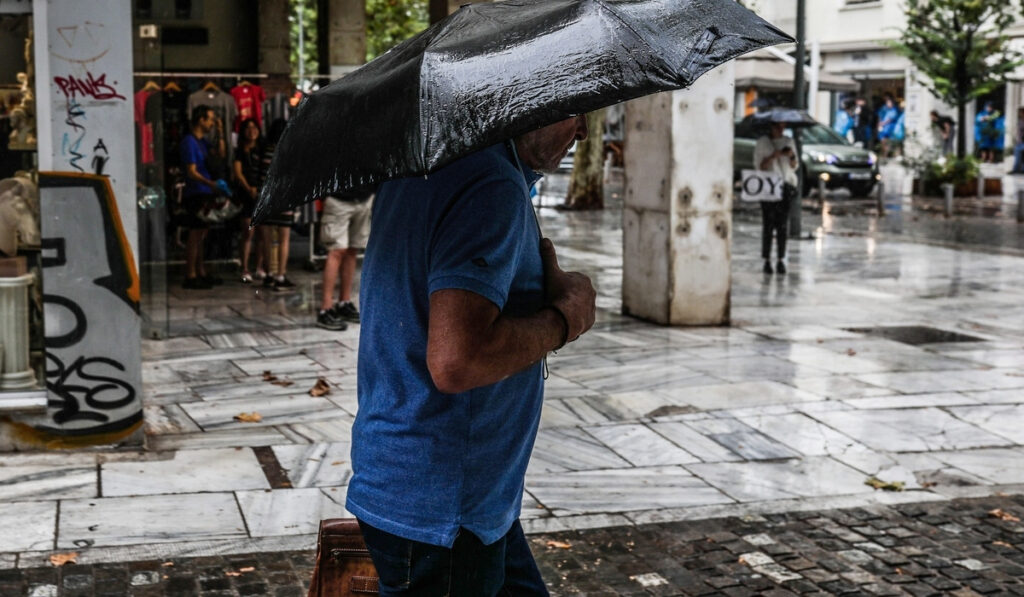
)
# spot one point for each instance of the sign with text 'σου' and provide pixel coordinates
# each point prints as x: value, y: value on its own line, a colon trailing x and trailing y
x: 758, y: 185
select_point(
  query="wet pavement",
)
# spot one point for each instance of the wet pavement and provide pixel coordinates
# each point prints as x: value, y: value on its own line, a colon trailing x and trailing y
x: 811, y: 393
x: 964, y: 547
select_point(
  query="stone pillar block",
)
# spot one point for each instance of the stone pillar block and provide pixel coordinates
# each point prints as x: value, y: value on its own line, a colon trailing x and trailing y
x: 677, y: 212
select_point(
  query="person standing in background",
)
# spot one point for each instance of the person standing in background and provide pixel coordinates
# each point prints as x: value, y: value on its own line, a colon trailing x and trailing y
x: 246, y: 170
x: 198, y: 196
x: 776, y: 153
x: 281, y: 223
x: 344, y: 230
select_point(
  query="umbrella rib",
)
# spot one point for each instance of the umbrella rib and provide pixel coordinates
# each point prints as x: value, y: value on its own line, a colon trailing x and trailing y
x: 630, y: 28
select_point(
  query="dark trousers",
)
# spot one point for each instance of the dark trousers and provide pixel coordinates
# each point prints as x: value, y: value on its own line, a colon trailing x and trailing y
x: 469, y: 569
x: 775, y: 219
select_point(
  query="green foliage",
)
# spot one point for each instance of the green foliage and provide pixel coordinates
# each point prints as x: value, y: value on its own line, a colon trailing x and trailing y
x: 309, y: 42
x: 962, y: 48
x: 957, y: 171
x: 389, y: 22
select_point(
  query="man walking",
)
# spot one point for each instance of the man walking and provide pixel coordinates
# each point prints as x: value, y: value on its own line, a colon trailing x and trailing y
x: 344, y: 228
x: 461, y: 300
x: 776, y: 153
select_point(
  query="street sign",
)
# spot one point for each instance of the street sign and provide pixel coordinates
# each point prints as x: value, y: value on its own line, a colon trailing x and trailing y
x: 758, y: 185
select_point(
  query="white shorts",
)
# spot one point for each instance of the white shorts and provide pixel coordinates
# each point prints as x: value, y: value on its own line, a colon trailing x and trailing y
x: 345, y: 224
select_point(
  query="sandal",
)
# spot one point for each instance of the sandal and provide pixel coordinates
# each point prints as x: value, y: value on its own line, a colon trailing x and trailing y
x: 246, y: 278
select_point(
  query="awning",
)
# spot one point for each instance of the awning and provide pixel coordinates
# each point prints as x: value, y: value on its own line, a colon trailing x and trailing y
x: 769, y: 73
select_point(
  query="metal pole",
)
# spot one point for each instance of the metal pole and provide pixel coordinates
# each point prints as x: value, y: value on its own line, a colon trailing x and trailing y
x: 821, y: 192
x: 302, y: 43
x: 947, y: 190
x: 880, y: 197
x: 799, y: 93
x: 981, y: 185
x: 795, y: 227
x: 1020, y: 205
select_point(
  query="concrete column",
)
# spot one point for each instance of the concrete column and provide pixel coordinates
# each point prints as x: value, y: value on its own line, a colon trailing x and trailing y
x: 274, y: 45
x: 677, y: 212
x: 346, y: 36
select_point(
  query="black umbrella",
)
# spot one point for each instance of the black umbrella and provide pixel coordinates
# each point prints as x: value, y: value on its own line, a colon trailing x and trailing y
x: 493, y: 71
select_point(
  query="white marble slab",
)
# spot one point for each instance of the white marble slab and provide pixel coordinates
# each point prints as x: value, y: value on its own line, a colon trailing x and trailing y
x: 278, y: 366
x: 701, y: 446
x: 333, y: 429
x: 640, y: 445
x: 148, y: 519
x: 314, y: 334
x: 1000, y: 466
x: 837, y: 387
x: 47, y: 482
x: 912, y: 400
x: 909, y: 430
x: 754, y: 368
x: 157, y: 349
x: 804, y: 434
x: 26, y: 526
x: 742, y: 439
x: 992, y: 358
x: 167, y: 418
x: 832, y: 362
x: 289, y: 511
x: 621, y: 490
x: 944, y: 381
x: 203, y: 371
x: 221, y: 438
x: 237, y: 339
x: 185, y: 471
x: 275, y: 410
x: 1006, y: 420
x: 802, y: 333
x: 997, y: 396
x: 743, y: 394
x: 570, y: 448
x: 808, y: 477
x: 316, y: 465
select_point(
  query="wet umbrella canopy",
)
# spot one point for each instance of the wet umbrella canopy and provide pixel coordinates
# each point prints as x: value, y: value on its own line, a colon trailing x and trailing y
x: 493, y: 71
x: 791, y: 117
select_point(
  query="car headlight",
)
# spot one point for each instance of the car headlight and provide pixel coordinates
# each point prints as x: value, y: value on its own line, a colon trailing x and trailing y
x: 825, y: 158
x: 872, y: 158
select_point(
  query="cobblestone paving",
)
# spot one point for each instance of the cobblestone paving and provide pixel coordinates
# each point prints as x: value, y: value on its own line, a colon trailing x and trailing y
x: 962, y: 548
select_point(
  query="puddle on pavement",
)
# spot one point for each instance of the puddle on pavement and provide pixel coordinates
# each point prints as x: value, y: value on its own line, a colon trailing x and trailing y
x: 915, y: 335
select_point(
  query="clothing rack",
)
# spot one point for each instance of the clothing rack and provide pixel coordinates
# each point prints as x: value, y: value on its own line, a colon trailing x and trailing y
x: 210, y: 75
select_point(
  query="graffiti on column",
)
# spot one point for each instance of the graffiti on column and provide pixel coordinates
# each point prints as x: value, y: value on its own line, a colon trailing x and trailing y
x: 83, y: 91
x: 91, y: 309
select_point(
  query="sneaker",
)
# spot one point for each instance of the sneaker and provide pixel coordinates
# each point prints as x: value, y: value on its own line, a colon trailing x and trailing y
x: 346, y: 311
x: 768, y: 267
x: 212, y: 280
x: 268, y: 281
x: 197, y: 283
x: 246, y: 278
x: 283, y: 283
x: 260, y: 275
x: 329, y: 321
x: 780, y: 267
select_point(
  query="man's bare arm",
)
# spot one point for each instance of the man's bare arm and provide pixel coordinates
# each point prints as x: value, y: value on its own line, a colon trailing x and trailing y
x: 192, y: 172
x: 471, y: 344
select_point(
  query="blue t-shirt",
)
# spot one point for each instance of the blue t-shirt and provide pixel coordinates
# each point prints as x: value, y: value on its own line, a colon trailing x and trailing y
x: 427, y: 463
x: 195, y: 151
x: 887, y: 121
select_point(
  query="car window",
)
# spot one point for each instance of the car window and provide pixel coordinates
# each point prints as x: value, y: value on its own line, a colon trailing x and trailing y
x: 820, y: 135
x: 744, y: 129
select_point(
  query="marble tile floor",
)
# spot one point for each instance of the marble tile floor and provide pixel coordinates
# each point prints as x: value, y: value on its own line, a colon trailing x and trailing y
x: 786, y: 409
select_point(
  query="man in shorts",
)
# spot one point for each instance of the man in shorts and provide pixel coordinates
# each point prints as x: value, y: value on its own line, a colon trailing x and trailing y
x: 344, y: 228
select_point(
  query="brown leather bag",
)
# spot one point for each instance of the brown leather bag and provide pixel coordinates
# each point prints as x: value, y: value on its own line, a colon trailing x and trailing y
x: 343, y: 564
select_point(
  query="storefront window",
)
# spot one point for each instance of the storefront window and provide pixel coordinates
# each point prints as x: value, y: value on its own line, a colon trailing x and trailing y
x: 21, y: 330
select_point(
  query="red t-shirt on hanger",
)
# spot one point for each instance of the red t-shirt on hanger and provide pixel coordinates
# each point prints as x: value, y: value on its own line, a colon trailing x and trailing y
x: 249, y: 101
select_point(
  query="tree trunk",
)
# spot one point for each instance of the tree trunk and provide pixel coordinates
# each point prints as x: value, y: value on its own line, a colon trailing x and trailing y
x: 586, y: 185
x: 961, y: 130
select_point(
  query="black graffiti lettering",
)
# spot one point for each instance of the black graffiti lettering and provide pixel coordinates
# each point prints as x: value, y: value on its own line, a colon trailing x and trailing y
x: 99, y: 160
x: 70, y: 396
x: 750, y: 179
x: 81, y: 325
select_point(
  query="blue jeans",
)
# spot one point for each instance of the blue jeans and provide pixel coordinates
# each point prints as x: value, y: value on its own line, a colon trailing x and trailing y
x: 469, y: 569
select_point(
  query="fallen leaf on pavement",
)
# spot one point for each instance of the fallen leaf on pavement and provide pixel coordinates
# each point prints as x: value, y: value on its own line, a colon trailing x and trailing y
x: 885, y: 485
x: 850, y: 352
x: 232, y: 573
x: 284, y: 383
x: 247, y: 569
x: 268, y: 376
x: 253, y: 417
x: 559, y: 544
x: 59, y: 559
x: 166, y: 564
x: 1003, y: 515
x: 320, y: 388
x: 1002, y: 544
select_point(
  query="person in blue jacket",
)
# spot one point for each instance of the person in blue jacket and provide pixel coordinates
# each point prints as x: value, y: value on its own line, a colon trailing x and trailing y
x: 844, y: 121
x: 887, y: 116
x: 986, y: 132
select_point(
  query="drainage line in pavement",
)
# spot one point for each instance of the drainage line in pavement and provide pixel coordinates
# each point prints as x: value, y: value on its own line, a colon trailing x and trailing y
x: 272, y: 469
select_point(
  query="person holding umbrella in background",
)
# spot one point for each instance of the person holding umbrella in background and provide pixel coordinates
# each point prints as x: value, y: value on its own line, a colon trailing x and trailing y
x: 776, y: 153
x: 461, y: 296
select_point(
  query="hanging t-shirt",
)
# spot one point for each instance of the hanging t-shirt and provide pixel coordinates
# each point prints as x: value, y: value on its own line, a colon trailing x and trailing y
x: 143, y: 129
x: 249, y: 101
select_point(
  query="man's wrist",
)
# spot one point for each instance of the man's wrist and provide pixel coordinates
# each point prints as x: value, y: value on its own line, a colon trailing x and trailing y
x: 565, y: 325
